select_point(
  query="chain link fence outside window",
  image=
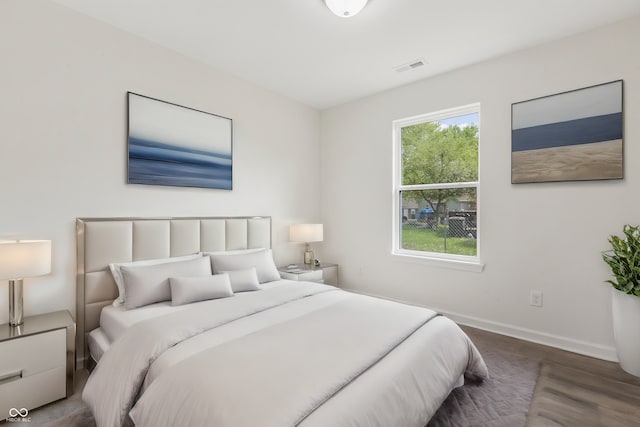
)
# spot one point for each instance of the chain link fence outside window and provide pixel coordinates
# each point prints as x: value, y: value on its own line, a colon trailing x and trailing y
x: 452, y: 230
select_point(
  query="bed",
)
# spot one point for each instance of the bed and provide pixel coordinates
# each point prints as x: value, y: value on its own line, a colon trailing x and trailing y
x: 267, y: 352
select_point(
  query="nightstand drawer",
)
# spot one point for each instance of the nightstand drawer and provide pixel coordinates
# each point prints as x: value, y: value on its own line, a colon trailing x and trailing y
x: 33, y: 370
x: 33, y: 391
x: 310, y: 275
x: 33, y: 354
x: 36, y: 361
x: 323, y: 273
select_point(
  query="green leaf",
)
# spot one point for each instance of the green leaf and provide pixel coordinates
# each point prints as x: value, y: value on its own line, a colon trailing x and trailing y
x: 624, y: 260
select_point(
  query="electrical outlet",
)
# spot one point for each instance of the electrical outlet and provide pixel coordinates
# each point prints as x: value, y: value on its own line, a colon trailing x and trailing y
x: 535, y: 298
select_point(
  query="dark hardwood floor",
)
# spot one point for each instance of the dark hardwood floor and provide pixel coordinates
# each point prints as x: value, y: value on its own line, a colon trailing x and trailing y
x: 572, y: 389
x: 543, y: 353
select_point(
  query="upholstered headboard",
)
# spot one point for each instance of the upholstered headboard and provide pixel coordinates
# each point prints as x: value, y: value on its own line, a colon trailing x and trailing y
x: 101, y: 241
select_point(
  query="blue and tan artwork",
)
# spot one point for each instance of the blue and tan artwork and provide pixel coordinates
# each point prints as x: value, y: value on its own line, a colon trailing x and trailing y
x: 572, y: 136
x: 178, y: 146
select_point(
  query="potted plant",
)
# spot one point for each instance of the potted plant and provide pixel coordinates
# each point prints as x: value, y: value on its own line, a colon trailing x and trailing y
x: 624, y: 260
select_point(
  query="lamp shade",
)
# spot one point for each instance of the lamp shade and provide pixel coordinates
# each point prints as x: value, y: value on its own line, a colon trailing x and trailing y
x: 305, y: 233
x: 24, y: 258
x: 345, y: 8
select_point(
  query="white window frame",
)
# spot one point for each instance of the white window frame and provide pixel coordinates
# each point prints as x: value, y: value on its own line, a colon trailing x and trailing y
x: 462, y: 262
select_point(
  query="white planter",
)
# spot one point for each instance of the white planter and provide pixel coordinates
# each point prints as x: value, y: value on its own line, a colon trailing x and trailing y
x: 626, y: 330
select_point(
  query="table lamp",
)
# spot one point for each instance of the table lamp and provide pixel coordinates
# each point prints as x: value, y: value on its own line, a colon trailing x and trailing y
x: 306, y: 233
x: 20, y: 259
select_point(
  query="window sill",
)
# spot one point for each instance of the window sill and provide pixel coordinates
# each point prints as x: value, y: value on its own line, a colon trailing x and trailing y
x: 454, y: 264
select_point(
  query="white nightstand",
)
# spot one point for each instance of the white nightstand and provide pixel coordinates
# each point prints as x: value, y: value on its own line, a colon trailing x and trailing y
x: 325, y: 273
x: 37, y: 362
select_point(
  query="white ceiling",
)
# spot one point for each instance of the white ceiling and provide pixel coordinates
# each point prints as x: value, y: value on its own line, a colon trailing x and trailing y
x: 298, y: 48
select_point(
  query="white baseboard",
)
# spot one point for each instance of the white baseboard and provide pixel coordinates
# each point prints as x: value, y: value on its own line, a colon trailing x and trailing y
x: 552, y: 340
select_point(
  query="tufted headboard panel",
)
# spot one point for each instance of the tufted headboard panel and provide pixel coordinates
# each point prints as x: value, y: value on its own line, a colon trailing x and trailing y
x: 101, y: 241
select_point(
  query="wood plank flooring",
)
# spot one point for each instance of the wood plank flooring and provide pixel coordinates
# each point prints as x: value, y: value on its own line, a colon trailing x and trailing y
x: 566, y: 397
x: 572, y: 390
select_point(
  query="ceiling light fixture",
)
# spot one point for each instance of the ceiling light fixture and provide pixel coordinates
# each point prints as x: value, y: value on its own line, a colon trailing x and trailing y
x: 345, y: 8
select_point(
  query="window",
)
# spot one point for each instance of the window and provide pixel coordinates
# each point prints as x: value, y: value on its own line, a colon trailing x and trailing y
x: 436, y: 185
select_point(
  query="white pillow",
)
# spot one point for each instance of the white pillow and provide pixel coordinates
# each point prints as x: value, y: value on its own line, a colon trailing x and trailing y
x: 117, y: 275
x: 262, y: 261
x: 185, y: 290
x: 243, y: 280
x: 147, y: 284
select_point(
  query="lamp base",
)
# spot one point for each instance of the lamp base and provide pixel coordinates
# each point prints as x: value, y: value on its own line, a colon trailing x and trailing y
x: 308, y: 255
x: 15, y: 303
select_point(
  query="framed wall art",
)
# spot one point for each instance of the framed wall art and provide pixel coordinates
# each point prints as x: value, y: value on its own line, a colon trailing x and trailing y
x: 570, y: 136
x: 169, y: 144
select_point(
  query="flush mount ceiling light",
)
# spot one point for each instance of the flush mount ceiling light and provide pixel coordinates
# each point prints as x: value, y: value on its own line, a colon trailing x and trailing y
x: 345, y: 8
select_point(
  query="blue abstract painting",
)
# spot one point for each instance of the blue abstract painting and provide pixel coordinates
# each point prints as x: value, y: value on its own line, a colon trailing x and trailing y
x: 571, y: 136
x: 178, y: 146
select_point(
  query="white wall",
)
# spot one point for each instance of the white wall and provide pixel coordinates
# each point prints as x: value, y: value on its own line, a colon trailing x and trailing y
x: 533, y: 236
x: 63, y: 84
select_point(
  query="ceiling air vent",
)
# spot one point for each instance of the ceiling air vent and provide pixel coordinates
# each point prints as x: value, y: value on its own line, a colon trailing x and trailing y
x: 410, y: 66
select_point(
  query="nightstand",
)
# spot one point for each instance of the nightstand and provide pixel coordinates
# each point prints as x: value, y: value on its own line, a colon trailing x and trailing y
x: 324, y: 273
x: 38, y: 361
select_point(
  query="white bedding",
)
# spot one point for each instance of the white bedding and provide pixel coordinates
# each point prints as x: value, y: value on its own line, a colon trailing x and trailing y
x: 237, y: 329
x: 114, y: 321
x: 98, y: 344
x: 118, y: 320
x: 403, y: 388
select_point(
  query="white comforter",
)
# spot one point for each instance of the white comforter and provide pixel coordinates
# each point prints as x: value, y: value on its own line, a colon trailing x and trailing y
x: 321, y: 357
